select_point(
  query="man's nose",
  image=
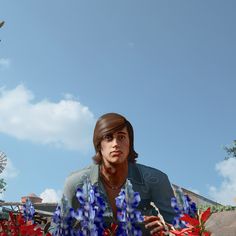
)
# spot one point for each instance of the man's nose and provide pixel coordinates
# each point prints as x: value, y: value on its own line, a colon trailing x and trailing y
x: 115, y: 141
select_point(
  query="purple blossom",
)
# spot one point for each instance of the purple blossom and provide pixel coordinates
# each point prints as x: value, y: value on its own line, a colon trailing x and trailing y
x: 127, y: 202
x: 90, y: 213
x: 63, y: 219
x: 28, y: 210
x: 182, y: 204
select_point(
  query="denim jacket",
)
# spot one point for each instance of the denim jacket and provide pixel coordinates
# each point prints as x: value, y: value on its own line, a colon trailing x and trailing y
x: 152, y: 185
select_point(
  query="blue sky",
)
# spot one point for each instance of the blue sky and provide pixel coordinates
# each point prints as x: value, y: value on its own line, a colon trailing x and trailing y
x: 168, y: 66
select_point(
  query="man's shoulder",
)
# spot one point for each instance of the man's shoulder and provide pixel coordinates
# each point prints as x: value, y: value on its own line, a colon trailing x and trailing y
x: 152, y: 176
x: 77, y: 178
x: 148, y: 169
x: 81, y: 172
x: 74, y: 180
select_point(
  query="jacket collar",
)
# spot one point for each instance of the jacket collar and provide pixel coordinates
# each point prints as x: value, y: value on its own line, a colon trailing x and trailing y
x: 134, y: 174
x: 94, y: 174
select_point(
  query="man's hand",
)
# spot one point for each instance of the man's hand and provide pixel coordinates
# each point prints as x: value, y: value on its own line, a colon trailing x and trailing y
x: 154, y: 224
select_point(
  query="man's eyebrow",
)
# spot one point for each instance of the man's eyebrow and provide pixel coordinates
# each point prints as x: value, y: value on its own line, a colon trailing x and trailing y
x: 122, y: 132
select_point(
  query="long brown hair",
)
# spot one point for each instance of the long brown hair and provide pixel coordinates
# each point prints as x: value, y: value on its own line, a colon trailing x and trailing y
x: 110, y: 123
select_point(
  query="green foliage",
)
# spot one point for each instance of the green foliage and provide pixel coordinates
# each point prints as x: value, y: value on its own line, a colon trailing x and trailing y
x: 231, y: 151
x: 2, y: 185
x: 217, y: 208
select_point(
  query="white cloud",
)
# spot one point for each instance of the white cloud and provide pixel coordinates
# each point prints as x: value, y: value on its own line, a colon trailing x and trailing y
x: 50, y: 195
x: 10, y: 171
x: 66, y: 123
x: 4, y: 63
x: 226, y: 193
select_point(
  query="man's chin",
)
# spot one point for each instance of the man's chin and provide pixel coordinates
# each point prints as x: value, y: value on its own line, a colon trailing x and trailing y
x: 117, y: 161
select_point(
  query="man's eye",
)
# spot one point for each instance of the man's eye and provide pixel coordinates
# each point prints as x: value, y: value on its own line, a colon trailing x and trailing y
x: 121, y: 137
x: 108, y: 137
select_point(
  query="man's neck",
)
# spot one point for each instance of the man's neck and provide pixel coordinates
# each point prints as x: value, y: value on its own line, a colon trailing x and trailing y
x: 115, y: 174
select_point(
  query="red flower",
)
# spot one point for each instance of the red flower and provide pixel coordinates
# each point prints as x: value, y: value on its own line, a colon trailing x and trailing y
x: 205, y: 215
x: 110, y: 231
x: 17, y: 226
x: 196, y: 226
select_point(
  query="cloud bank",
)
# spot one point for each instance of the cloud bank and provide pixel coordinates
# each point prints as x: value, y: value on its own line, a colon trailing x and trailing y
x: 226, y: 193
x: 50, y: 195
x: 66, y: 123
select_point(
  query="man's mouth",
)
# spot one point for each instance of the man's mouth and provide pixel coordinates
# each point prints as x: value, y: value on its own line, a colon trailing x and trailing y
x: 116, y: 153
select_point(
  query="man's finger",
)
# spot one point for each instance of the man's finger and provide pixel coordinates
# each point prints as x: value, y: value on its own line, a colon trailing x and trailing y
x: 153, y: 224
x: 156, y: 230
x: 150, y: 218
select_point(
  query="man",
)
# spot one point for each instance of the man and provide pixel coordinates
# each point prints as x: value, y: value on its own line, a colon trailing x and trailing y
x: 115, y: 162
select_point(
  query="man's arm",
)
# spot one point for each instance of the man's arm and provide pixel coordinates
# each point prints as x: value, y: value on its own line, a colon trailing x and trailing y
x: 161, y: 196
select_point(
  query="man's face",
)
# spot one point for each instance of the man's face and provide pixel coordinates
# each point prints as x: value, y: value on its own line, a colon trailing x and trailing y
x: 115, y: 147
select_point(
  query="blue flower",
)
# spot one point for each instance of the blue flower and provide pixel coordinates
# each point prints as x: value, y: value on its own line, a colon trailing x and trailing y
x: 127, y: 202
x: 63, y: 219
x: 182, y: 204
x: 28, y: 210
x: 90, y: 213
